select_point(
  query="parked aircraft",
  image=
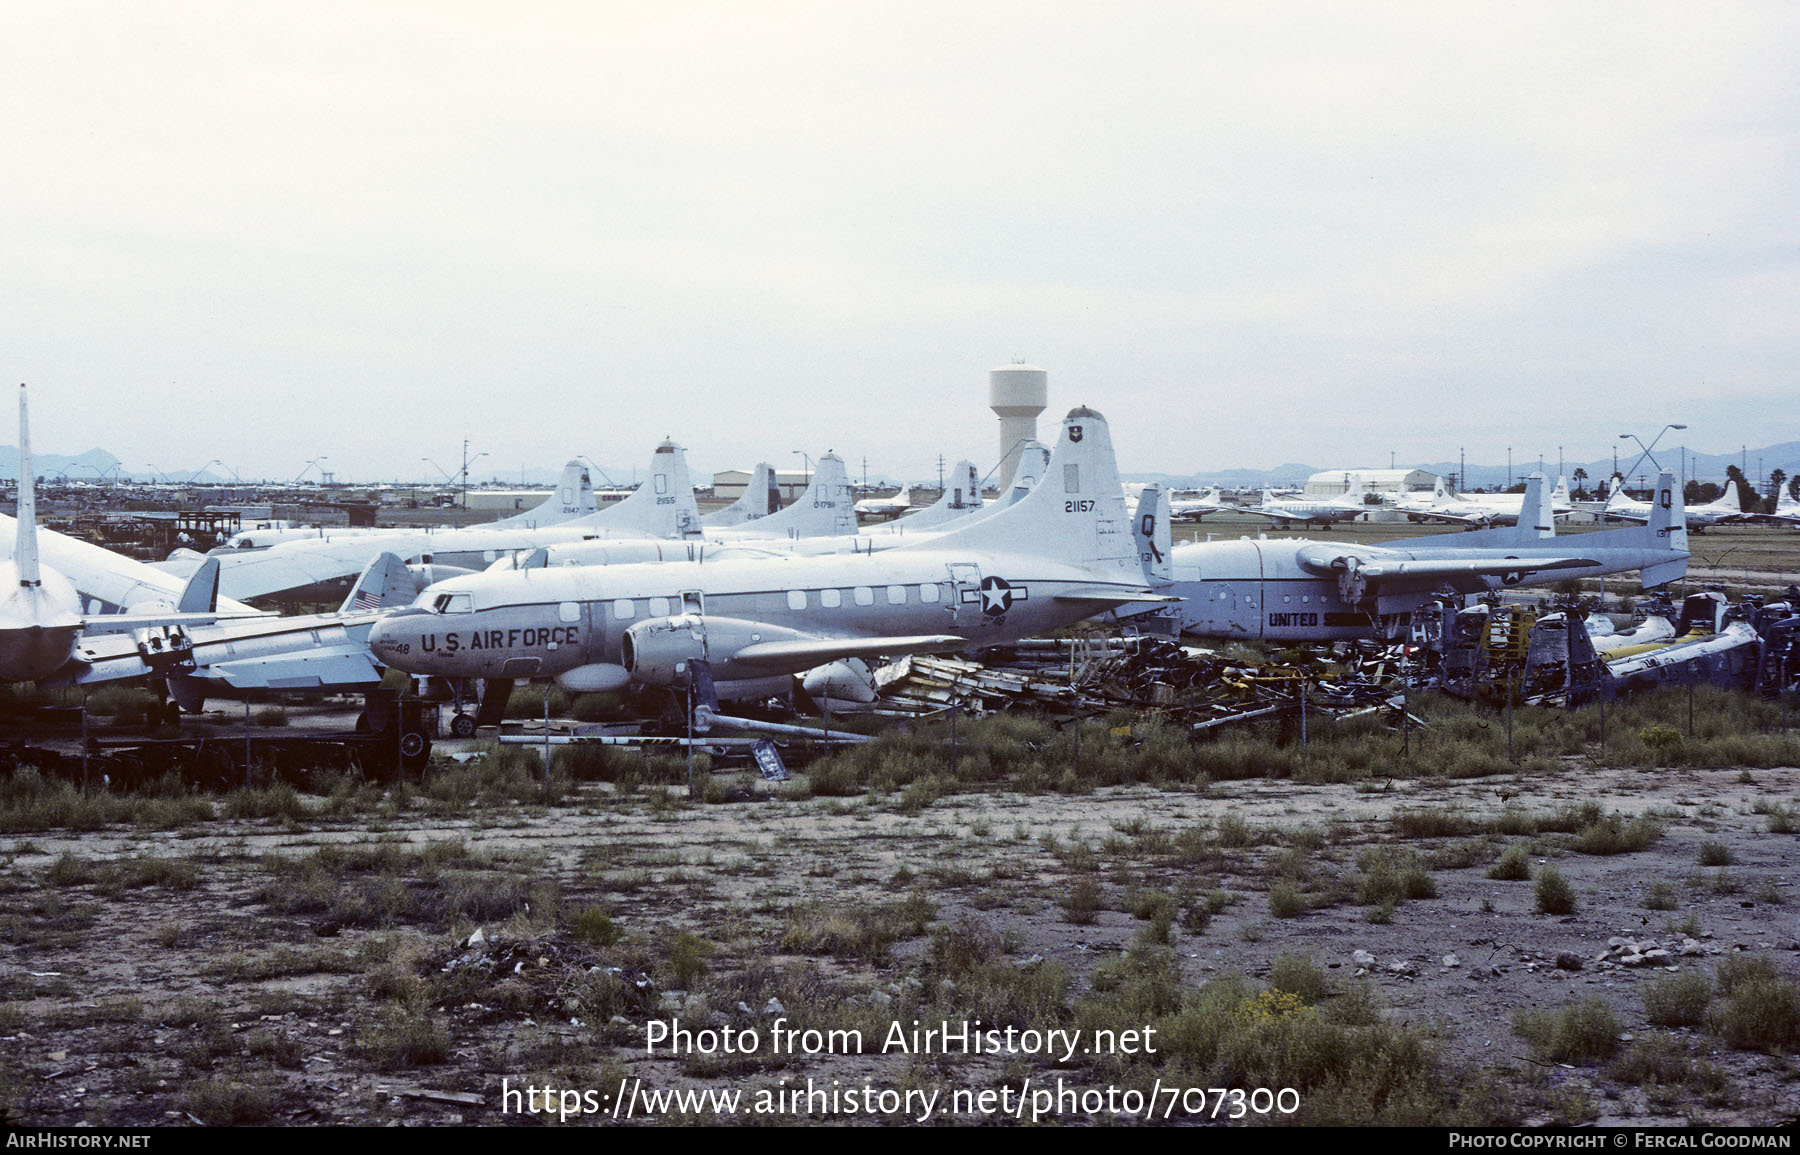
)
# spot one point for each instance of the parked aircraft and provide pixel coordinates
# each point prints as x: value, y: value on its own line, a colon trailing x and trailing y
x: 760, y: 540
x: 322, y: 569
x: 761, y: 497
x: 40, y: 617
x: 1296, y: 590
x: 1062, y: 553
x: 886, y: 506
x: 1726, y: 509
x: 183, y: 635
x: 1195, y: 508
x: 1322, y: 511
x: 59, y: 589
x: 1475, y: 509
x: 961, y: 497
x: 233, y: 656
x: 1786, y: 510
x: 824, y: 510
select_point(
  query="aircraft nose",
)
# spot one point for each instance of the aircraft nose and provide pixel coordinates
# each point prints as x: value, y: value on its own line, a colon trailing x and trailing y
x: 388, y: 645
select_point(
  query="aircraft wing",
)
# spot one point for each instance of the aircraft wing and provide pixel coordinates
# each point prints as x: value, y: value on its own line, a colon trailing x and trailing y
x: 1456, y: 518
x: 310, y: 670
x: 786, y: 656
x: 1114, y: 595
x: 294, y: 565
x: 1325, y: 560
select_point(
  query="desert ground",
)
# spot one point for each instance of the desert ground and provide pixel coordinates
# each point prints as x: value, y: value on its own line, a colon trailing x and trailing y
x: 370, y: 954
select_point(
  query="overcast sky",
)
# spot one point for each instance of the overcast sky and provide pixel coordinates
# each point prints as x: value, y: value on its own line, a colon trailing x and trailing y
x: 1247, y: 233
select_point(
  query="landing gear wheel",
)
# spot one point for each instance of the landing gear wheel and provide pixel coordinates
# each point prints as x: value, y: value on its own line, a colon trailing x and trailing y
x: 415, y: 747
x: 171, y: 713
x: 462, y: 726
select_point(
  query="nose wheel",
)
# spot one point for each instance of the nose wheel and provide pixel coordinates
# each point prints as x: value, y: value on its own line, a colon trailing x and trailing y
x: 462, y: 726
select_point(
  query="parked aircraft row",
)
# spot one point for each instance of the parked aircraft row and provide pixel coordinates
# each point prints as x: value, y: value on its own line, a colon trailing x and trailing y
x: 1297, y: 590
x: 76, y: 614
x: 641, y: 591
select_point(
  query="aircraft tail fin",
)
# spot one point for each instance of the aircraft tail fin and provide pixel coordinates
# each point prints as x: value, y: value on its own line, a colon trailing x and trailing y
x: 1154, y: 534
x: 1668, y: 515
x: 573, y: 497
x: 1076, y: 514
x: 664, y: 505
x: 961, y: 498
x: 385, y: 584
x: 1537, y: 516
x: 201, y: 593
x: 761, y: 497
x: 1559, y: 497
x: 1730, y: 499
x: 1534, y: 525
x: 25, y: 548
x: 1034, y: 458
x: 825, y: 509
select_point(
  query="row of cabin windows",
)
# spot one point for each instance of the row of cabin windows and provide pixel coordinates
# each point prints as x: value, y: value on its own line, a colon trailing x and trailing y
x: 624, y: 609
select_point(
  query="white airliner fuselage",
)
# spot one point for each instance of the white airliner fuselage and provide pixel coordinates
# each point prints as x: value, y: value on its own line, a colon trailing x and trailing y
x: 1062, y: 553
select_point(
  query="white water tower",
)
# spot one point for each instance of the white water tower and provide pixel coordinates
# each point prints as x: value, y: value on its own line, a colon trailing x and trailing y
x: 1016, y: 394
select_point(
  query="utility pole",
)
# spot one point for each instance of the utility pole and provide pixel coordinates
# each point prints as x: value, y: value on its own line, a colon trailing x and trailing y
x: 940, y: 473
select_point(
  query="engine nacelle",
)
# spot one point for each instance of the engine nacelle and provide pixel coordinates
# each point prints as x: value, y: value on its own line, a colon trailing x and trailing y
x: 595, y: 677
x: 848, y: 681
x: 657, y: 651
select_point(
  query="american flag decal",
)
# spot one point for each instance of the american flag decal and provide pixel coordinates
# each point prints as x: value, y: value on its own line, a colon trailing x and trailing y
x: 365, y: 600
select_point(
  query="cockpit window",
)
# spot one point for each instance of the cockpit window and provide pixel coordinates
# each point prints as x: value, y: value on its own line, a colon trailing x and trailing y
x: 453, y: 604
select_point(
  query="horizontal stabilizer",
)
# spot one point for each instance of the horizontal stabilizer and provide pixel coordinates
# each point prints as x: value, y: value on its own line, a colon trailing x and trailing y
x: 299, y: 671
x: 789, y: 655
x: 1435, y: 567
x: 201, y: 594
x: 1114, y: 596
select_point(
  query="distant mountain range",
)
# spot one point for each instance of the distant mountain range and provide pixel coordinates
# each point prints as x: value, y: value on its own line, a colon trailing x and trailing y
x: 98, y: 463
x: 1700, y: 467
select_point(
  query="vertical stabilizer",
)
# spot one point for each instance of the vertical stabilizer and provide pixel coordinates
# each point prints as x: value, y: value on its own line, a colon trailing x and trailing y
x: 760, y: 498
x: 1155, y: 535
x: 385, y: 583
x: 1667, y: 530
x: 961, y: 498
x: 1076, y: 514
x: 824, y: 510
x: 1668, y: 514
x: 25, y: 552
x: 201, y: 594
x: 1537, y: 516
x: 664, y: 505
x: 573, y: 497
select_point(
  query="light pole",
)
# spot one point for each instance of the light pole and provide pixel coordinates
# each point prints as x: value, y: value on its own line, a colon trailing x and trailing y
x: 1646, y: 448
x: 806, y: 477
x: 468, y: 461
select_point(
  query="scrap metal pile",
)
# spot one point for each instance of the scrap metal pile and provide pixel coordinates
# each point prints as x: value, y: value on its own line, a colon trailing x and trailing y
x: 1489, y: 651
x: 1496, y: 652
x: 1093, y: 675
